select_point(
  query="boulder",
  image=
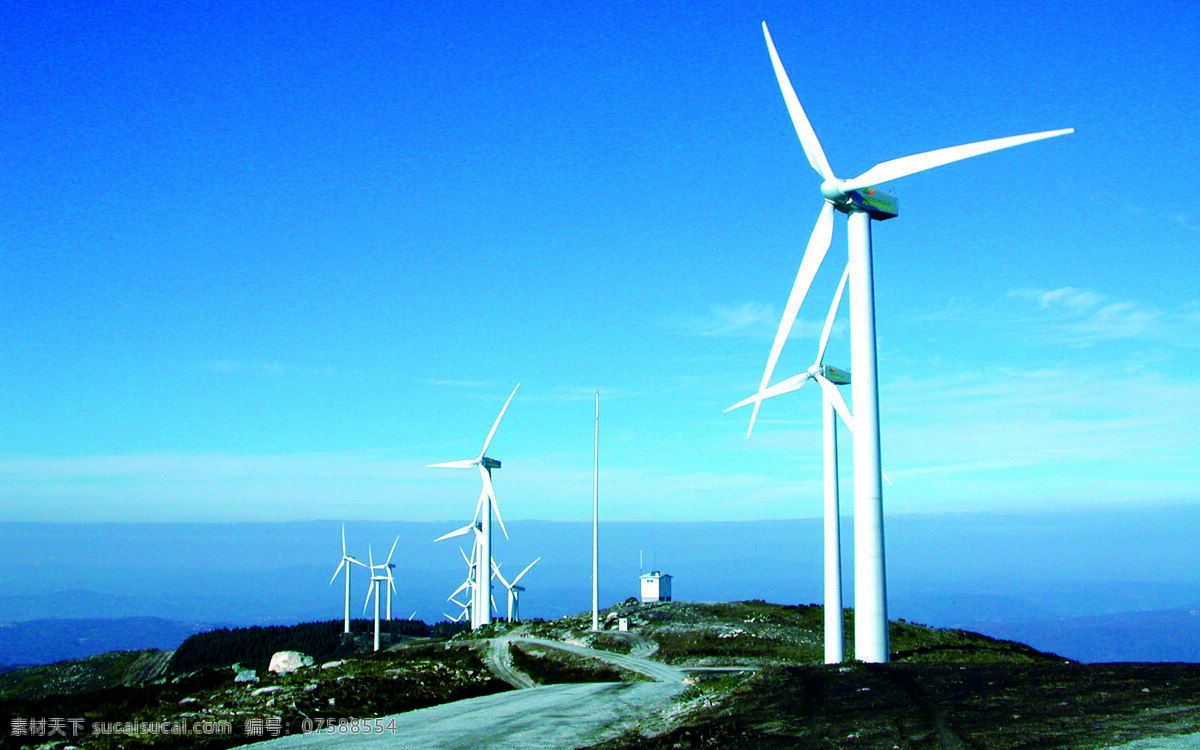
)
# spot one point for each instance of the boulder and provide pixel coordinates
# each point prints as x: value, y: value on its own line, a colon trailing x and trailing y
x: 246, y: 675
x: 283, y: 662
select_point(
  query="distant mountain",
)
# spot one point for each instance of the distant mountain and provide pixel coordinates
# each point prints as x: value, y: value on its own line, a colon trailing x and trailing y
x: 46, y: 641
x: 978, y: 571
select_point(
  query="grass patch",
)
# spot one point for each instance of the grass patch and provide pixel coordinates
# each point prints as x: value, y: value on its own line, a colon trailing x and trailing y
x: 561, y: 668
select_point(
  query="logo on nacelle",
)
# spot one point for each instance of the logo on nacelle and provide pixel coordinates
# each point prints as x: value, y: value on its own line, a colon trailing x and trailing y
x: 836, y: 376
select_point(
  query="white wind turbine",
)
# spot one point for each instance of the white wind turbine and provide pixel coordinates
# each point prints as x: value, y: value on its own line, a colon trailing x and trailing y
x: 468, y: 585
x: 345, y: 562
x: 481, y: 612
x: 381, y: 573
x: 861, y: 202
x: 831, y: 402
x: 514, y: 591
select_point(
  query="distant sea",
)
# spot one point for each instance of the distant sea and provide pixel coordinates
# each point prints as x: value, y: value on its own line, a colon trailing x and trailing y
x: 1097, y: 584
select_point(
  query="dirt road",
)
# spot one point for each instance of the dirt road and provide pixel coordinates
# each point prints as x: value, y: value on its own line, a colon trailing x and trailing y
x: 554, y: 716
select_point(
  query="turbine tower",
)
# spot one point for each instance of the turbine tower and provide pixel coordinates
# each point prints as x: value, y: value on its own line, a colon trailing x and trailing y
x: 345, y: 562
x: 381, y: 573
x: 514, y: 591
x: 831, y: 403
x: 481, y: 611
x: 857, y: 198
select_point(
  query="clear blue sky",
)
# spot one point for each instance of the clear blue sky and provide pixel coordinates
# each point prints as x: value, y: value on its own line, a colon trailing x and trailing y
x: 270, y: 261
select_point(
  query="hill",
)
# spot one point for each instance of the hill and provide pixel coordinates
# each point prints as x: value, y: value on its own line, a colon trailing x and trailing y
x: 757, y: 681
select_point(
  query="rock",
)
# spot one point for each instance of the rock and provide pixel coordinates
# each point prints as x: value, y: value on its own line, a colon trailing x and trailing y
x: 332, y: 664
x: 246, y: 675
x: 267, y: 689
x: 283, y: 662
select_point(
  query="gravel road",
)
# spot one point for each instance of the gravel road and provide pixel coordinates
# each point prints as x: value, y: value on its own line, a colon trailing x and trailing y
x: 554, y: 716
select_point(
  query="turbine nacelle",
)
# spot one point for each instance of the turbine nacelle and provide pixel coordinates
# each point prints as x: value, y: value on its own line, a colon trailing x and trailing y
x: 880, y: 205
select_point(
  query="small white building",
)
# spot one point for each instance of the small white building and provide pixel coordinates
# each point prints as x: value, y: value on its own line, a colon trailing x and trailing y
x: 656, y: 587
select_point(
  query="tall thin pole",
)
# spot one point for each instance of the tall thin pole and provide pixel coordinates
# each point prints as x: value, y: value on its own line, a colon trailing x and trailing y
x: 834, y: 638
x: 870, y: 577
x: 596, y: 521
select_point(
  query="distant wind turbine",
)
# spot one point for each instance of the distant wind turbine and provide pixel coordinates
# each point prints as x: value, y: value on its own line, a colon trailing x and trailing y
x: 380, y: 574
x: 831, y: 401
x: 345, y: 562
x: 514, y: 591
x: 481, y: 613
x: 862, y: 202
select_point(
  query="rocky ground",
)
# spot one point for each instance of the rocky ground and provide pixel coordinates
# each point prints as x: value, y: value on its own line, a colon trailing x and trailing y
x: 924, y: 705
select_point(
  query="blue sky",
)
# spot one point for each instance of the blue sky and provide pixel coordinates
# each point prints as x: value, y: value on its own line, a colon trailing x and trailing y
x: 267, y: 261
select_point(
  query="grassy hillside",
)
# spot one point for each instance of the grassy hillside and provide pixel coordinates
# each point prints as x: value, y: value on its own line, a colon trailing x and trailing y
x: 760, y: 633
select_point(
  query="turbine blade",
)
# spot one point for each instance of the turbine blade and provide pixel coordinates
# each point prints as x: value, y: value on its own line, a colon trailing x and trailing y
x: 906, y: 165
x: 496, y: 424
x: 885, y: 477
x: 835, y: 397
x: 804, y: 129
x: 482, y: 495
x: 465, y: 463
x: 833, y: 308
x: 456, y: 532
x: 491, y: 493
x: 818, y: 245
x: 339, y: 570
x: 368, y: 601
x: 794, y: 383
x: 498, y: 574
x: 389, y: 557
x: 343, y: 540
x: 356, y: 562
x: 463, y: 587
x: 523, y: 572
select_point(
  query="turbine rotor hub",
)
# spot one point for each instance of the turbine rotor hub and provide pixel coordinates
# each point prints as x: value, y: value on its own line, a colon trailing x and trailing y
x: 832, y: 190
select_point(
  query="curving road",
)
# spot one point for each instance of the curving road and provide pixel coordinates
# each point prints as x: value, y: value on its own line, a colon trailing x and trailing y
x: 554, y: 716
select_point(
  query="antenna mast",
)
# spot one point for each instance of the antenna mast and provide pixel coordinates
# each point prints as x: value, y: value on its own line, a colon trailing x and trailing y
x: 596, y: 522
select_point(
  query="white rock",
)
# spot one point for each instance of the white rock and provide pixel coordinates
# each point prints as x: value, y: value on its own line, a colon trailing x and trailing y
x: 267, y: 689
x: 246, y: 675
x: 332, y: 664
x: 283, y: 662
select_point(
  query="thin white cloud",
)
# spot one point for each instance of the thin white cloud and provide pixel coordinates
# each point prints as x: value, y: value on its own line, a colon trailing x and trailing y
x: 472, y: 384
x: 1187, y: 221
x: 1082, y: 317
x: 236, y: 367
x: 750, y: 320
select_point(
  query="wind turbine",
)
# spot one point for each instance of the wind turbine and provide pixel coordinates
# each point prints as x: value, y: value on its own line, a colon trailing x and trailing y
x: 381, y: 573
x: 831, y: 402
x: 514, y: 591
x: 468, y: 585
x: 857, y: 198
x: 345, y: 562
x: 482, y: 613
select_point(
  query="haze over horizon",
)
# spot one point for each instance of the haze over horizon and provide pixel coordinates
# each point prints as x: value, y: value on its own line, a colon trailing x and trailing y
x: 269, y: 263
